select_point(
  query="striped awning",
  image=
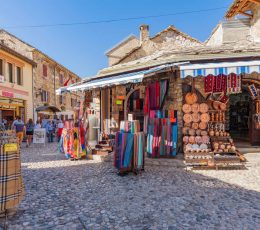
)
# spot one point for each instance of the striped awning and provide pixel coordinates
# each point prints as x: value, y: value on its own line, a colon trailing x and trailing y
x: 240, y: 67
x: 121, y: 79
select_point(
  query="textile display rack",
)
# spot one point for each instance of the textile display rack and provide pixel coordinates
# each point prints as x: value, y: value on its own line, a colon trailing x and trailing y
x: 160, y: 125
x: 11, y: 182
x: 72, y: 142
x: 129, y: 148
x: 162, y: 133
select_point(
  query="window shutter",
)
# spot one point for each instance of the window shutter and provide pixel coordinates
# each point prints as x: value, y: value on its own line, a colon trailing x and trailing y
x: 44, y: 70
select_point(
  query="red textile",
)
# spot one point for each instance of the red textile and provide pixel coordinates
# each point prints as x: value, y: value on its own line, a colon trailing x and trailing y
x: 157, y: 95
x: 209, y: 83
x: 147, y: 101
x: 60, y: 132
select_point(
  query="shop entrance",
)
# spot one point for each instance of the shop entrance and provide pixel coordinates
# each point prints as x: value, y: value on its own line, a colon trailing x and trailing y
x: 240, y: 113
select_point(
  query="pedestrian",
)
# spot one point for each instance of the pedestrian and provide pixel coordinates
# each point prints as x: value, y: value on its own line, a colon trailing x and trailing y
x: 60, y: 128
x: 38, y: 125
x: 19, y: 128
x: 50, y: 131
x: 29, y: 132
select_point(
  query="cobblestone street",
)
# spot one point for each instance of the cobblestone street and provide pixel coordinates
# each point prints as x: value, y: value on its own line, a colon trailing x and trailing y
x: 63, y: 194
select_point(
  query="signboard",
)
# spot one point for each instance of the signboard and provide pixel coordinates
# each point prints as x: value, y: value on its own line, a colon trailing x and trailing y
x: 2, y: 79
x: 11, y: 147
x: 7, y: 94
x: 39, y: 136
x: 119, y: 102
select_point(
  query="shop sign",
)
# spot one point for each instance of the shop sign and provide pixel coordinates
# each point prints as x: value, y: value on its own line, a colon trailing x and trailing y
x: 7, y: 94
x: 121, y: 97
x: 119, y: 102
x: 2, y: 79
x: 11, y: 147
x: 39, y: 136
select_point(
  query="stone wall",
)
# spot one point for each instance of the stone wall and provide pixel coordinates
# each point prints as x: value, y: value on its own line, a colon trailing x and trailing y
x: 16, y: 44
x: 123, y: 49
x: 51, y: 83
x: 170, y: 39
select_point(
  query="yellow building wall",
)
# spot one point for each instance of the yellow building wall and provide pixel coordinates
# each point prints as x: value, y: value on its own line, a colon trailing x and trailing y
x: 23, y: 91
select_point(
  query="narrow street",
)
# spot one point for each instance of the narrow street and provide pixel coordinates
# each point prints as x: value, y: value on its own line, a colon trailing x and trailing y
x: 63, y: 194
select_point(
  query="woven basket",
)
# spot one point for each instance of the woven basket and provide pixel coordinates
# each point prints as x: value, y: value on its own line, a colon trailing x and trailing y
x: 186, y: 108
x: 195, y: 125
x: 202, y: 125
x: 195, y: 108
x: 191, y: 98
x: 187, y: 118
x: 205, y: 117
x: 204, y: 108
x: 195, y: 117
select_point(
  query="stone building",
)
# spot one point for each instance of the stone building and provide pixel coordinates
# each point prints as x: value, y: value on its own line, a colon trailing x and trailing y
x: 48, y: 76
x: 233, y: 47
x: 16, y: 91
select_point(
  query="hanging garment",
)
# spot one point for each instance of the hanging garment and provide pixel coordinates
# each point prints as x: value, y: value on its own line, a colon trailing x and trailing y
x: 209, y: 82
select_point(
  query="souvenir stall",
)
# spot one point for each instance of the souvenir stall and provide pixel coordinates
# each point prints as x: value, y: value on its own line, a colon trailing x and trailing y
x: 207, y: 133
x: 11, y: 182
x: 72, y: 142
x: 160, y: 125
x: 129, y: 148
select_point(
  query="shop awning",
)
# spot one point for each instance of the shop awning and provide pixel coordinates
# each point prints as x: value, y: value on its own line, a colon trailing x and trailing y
x: 134, y: 77
x: 47, y: 109
x: 217, y: 68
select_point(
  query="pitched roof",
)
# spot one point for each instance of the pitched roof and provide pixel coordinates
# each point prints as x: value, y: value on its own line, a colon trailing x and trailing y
x: 193, y: 54
x: 169, y: 28
x: 35, y: 49
x: 240, y: 7
x: 16, y: 54
x: 119, y: 44
x: 173, y: 28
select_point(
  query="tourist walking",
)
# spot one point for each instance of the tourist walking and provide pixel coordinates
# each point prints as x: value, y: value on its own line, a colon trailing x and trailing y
x: 38, y: 125
x: 50, y: 131
x: 29, y: 132
x: 19, y: 129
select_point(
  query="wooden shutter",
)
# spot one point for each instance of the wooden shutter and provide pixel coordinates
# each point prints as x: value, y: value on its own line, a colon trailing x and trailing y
x: 44, y: 70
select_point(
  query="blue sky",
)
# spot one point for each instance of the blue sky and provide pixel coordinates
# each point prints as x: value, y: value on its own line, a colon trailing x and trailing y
x: 81, y: 48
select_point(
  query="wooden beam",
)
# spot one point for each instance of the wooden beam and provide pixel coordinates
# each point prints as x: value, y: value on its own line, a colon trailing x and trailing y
x: 255, y: 1
x: 246, y: 14
x: 240, y: 6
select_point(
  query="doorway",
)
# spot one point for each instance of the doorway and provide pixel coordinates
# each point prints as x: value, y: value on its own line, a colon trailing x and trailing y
x: 239, y: 114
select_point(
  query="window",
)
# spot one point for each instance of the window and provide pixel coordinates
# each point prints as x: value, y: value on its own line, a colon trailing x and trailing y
x: 61, y: 79
x: 44, y: 70
x: 73, y: 102
x: 61, y: 99
x: 45, y: 96
x: 10, y: 72
x: 19, y: 75
x: 1, y: 67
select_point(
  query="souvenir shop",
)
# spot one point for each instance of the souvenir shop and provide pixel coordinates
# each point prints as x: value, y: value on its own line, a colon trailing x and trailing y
x: 220, y: 112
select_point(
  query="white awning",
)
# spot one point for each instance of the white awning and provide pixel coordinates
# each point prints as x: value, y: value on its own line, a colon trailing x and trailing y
x: 134, y: 77
x: 204, y: 69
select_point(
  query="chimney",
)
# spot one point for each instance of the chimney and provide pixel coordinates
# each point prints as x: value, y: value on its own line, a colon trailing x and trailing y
x: 144, y: 33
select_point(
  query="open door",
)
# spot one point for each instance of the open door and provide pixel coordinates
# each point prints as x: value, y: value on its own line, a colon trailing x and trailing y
x: 253, y: 130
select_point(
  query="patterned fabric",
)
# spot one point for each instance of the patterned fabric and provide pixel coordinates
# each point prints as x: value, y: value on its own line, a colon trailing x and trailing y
x: 162, y: 134
x: 11, y: 183
x: 129, y: 151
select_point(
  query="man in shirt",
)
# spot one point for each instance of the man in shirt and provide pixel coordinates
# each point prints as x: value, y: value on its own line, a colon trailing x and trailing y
x: 19, y: 128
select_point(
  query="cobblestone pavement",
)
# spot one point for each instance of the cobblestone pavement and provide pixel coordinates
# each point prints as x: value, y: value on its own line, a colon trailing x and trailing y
x: 63, y: 194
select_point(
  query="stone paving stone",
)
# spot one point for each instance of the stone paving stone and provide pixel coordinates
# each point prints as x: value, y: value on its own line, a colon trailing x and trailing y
x: 64, y: 194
